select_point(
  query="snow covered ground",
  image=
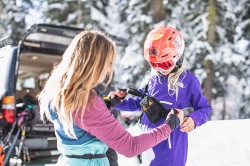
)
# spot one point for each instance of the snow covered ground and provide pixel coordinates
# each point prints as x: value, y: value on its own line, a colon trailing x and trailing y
x: 217, y: 143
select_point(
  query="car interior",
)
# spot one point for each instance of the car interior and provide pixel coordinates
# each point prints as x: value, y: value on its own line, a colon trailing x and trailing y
x: 33, y: 71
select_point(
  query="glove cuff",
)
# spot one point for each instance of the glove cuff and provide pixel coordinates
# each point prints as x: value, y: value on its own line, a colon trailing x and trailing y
x: 173, y: 121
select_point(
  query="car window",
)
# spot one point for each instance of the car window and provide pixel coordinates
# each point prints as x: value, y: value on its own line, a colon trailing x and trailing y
x: 30, y: 85
x: 26, y: 83
x: 32, y: 82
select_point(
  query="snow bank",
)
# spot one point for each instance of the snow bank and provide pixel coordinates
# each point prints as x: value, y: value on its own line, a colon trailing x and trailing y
x: 220, y: 143
x: 217, y: 143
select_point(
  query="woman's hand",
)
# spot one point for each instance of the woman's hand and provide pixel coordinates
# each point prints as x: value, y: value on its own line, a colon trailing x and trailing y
x: 118, y: 93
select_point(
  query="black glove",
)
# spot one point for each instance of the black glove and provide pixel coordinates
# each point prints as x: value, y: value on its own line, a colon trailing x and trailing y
x: 115, y: 101
x: 173, y: 121
x: 111, y: 102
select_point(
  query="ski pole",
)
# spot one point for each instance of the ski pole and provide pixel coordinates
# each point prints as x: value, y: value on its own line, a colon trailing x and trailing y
x: 6, y: 159
x: 27, y: 153
x: 24, y: 154
x: 4, y: 141
x: 132, y: 91
x: 21, y: 142
x: 7, y: 138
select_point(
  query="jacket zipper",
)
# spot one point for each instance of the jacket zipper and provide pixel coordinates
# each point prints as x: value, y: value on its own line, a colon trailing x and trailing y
x: 169, y: 142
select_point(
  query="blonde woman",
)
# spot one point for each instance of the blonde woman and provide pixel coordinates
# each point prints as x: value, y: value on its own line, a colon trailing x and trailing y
x: 84, y: 126
x: 175, y: 87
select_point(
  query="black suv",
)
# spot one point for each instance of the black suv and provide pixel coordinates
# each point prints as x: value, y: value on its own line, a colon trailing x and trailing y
x: 24, y: 68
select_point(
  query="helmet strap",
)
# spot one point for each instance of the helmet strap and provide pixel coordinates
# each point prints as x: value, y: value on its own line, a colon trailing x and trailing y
x: 178, y: 64
x: 160, y: 74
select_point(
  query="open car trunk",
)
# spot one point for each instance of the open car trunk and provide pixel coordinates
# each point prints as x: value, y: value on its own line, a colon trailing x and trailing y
x: 40, y: 49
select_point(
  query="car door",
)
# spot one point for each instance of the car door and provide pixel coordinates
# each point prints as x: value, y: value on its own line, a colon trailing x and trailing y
x: 9, y: 66
x: 48, y: 39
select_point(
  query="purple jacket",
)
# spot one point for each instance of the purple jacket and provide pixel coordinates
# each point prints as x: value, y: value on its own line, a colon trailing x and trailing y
x: 172, y: 151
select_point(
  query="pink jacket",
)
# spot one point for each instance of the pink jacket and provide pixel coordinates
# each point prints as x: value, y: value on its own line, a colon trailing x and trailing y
x: 99, y: 122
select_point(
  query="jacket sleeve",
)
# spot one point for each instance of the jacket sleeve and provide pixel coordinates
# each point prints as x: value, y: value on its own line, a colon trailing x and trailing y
x: 129, y: 104
x: 98, y: 121
x: 133, y: 103
x: 202, y: 109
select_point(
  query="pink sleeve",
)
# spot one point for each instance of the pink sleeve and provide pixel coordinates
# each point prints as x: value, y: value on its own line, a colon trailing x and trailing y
x: 98, y: 121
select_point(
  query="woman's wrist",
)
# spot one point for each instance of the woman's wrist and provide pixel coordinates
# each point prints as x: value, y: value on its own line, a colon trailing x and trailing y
x: 173, y: 121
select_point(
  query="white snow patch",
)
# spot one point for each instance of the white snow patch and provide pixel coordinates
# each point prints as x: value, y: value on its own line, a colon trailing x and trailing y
x: 216, y: 143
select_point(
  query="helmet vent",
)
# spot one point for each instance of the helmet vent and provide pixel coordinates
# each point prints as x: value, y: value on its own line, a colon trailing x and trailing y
x: 170, y: 38
x: 165, y: 55
x: 152, y: 51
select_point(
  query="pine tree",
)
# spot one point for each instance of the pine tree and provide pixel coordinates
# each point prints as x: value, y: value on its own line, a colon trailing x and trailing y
x: 132, y: 23
x: 213, y: 31
x: 231, y: 60
x: 13, y: 17
x: 68, y: 13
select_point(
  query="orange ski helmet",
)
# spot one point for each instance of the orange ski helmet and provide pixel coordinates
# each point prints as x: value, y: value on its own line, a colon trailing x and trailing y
x: 163, y: 48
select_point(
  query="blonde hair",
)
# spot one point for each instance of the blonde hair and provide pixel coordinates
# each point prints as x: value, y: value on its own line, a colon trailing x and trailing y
x: 71, y: 82
x: 174, y: 79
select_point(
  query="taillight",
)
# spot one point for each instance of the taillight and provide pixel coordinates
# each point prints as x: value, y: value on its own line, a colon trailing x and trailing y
x: 8, y: 109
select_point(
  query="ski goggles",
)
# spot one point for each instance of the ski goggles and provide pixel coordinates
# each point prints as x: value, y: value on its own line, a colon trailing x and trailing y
x: 163, y: 65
